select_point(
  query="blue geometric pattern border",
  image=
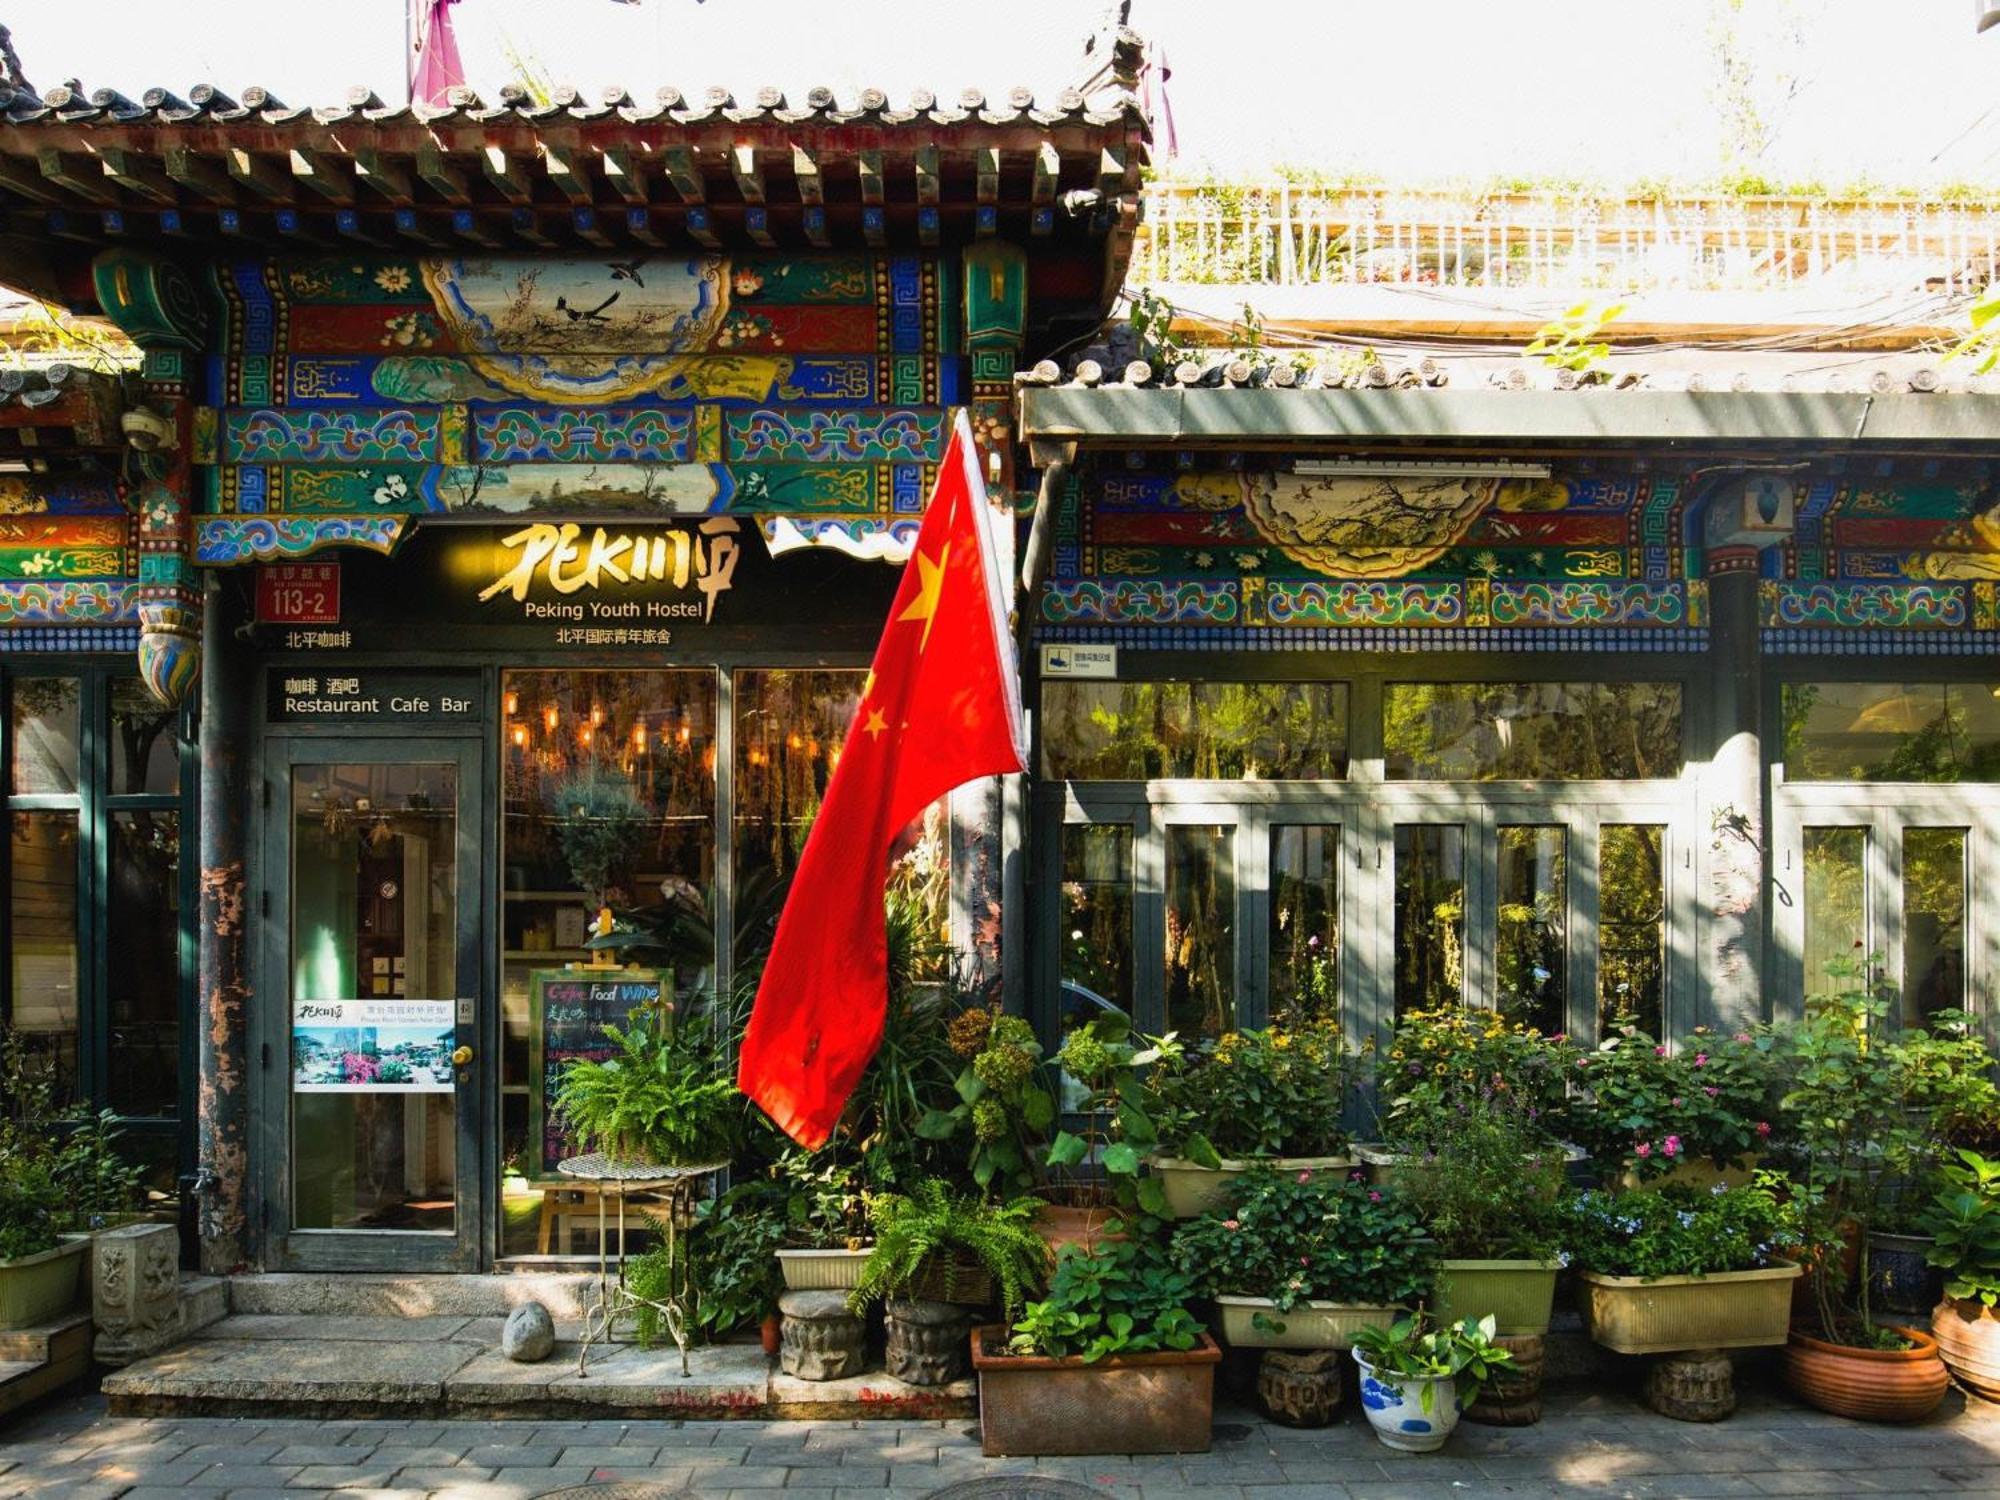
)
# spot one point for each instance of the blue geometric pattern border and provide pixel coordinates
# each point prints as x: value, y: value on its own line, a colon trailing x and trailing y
x: 1377, y: 641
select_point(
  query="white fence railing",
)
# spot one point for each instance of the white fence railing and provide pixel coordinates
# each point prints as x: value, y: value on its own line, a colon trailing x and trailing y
x: 1278, y: 234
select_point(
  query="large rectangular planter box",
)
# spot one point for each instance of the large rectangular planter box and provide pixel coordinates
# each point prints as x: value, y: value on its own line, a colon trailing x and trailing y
x: 1192, y: 1190
x: 1385, y: 1167
x: 1031, y: 1407
x: 1698, y: 1173
x: 1516, y: 1294
x: 1729, y: 1310
x: 1310, y: 1325
x: 822, y: 1270
x: 40, y: 1288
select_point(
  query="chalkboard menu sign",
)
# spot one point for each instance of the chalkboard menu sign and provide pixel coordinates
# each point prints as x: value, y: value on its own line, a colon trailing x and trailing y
x: 568, y: 1011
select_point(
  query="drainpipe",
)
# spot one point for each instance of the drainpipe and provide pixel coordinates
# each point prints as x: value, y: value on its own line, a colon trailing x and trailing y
x: 1052, y: 452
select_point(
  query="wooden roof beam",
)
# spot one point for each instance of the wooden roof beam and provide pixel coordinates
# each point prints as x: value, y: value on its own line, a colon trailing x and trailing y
x: 199, y: 173
x: 986, y: 169
x: 749, y: 176
x: 565, y: 168
x: 136, y: 174
x: 684, y: 173
x: 869, y: 165
x: 926, y: 163
x: 18, y: 175
x: 815, y: 227
x: 330, y: 177
x: 805, y: 172
x: 388, y: 178
x: 465, y: 224
x: 505, y: 174
x: 626, y: 176
x: 256, y: 173
x: 1048, y: 172
x: 1111, y: 171
x: 74, y: 175
x: 441, y: 177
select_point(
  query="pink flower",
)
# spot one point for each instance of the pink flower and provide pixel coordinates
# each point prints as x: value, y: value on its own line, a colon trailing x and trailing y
x: 1303, y: 1261
x: 1763, y: 1127
x: 1231, y: 1224
x: 1305, y: 1177
x: 1710, y: 1089
x: 1742, y: 1036
x: 1700, y: 1059
x: 1644, y: 1148
x: 1672, y: 1146
x: 1677, y: 1103
x: 1560, y: 1037
x: 1659, y: 1052
x: 1374, y: 1197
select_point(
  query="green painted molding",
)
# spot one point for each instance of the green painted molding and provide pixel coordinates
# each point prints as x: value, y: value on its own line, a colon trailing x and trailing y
x: 153, y: 301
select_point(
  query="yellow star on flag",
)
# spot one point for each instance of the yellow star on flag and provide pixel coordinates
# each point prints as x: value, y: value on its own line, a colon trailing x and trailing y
x: 930, y: 586
x: 875, y: 723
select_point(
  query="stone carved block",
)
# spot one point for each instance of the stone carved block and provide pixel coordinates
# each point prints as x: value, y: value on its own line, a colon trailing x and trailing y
x: 820, y: 1339
x: 135, y: 1290
x: 927, y: 1342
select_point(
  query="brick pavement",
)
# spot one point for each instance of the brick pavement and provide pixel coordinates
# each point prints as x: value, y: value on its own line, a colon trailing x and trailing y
x: 1590, y: 1443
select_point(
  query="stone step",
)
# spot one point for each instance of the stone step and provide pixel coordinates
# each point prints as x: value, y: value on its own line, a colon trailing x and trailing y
x: 292, y: 1293
x: 37, y: 1361
x: 204, y: 1302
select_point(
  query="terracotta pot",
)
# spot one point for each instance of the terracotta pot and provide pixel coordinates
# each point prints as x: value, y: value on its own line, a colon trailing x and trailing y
x: 1968, y: 1337
x: 1869, y: 1385
x: 769, y: 1333
x: 1060, y: 1225
x: 1031, y: 1407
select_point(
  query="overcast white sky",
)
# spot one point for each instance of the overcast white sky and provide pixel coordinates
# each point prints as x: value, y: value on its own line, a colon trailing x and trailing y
x: 1613, y: 90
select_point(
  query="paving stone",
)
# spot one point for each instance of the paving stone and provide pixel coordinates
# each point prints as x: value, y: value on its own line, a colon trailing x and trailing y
x: 339, y: 1476
x: 317, y: 1370
x: 513, y: 1455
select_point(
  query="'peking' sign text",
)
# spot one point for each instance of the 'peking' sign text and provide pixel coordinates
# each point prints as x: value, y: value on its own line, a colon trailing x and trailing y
x: 569, y: 562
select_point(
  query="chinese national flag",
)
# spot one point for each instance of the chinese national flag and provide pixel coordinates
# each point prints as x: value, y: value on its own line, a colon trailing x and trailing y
x: 941, y: 706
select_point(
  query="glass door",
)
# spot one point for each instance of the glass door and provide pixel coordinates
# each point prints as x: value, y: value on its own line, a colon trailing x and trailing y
x: 377, y: 922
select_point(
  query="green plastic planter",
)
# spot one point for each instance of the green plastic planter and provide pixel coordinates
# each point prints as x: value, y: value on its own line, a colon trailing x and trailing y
x: 1516, y: 1294
x: 1192, y: 1190
x: 38, y: 1289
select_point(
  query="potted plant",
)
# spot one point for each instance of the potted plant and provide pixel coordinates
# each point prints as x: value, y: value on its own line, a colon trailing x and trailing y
x: 660, y: 1099
x: 1004, y: 1106
x: 1964, y: 1226
x: 1697, y: 1115
x: 1298, y: 1261
x: 1092, y: 1168
x: 1863, y: 1109
x: 1490, y: 1193
x: 40, y: 1273
x: 1110, y: 1361
x: 1225, y: 1104
x: 825, y: 1222
x: 1415, y: 1379
x: 938, y: 1246
x: 1665, y: 1269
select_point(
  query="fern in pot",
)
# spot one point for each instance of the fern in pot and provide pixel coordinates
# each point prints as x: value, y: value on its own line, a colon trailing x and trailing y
x: 938, y: 1246
x: 660, y: 1099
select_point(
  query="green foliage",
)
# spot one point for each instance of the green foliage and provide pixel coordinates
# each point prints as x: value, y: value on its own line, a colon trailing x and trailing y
x: 1255, y: 1093
x: 1441, y: 1063
x: 71, y: 1149
x: 31, y: 1206
x: 824, y: 1206
x: 1491, y: 1188
x: 932, y: 1221
x: 1964, y: 1224
x: 1107, y: 1068
x: 1123, y: 1297
x: 1002, y: 1104
x: 1463, y: 1352
x: 1571, y: 342
x: 1645, y: 1109
x: 1980, y: 342
x: 599, y: 818
x: 1296, y: 1237
x: 662, y: 1096
x: 1680, y: 1231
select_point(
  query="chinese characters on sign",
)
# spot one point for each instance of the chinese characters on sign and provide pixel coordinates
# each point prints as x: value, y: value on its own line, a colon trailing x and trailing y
x: 298, y: 594
x: 372, y: 1046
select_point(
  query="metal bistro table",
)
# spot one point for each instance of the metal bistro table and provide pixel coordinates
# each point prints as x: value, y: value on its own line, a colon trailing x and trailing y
x: 615, y: 1300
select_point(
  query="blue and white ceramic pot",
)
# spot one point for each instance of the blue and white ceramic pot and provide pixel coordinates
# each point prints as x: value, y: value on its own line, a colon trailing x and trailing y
x: 1413, y: 1413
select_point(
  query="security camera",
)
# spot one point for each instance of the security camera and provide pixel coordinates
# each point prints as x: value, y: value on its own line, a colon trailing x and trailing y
x: 146, y: 430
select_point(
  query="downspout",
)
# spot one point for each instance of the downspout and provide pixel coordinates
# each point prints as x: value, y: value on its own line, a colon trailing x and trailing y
x: 1052, y: 452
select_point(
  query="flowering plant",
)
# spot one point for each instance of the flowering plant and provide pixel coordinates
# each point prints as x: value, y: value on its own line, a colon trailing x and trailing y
x: 1491, y: 1188
x: 1294, y: 1237
x: 1004, y: 1101
x: 1441, y: 1062
x: 1677, y: 1231
x: 1255, y: 1093
x: 1713, y: 1099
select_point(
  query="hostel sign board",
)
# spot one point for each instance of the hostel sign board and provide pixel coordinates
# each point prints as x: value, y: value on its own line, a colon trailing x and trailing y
x: 372, y: 1046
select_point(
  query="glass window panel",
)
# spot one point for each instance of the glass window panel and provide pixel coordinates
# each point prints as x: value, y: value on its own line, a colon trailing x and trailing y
x: 789, y: 727
x: 1218, y: 731
x: 374, y: 919
x: 1632, y: 925
x: 144, y: 919
x: 1524, y: 731
x: 608, y: 786
x: 1533, y: 922
x: 1096, y: 917
x: 1305, y: 923
x: 1933, y: 922
x: 44, y: 719
x: 1201, y: 929
x: 1430, y: 916
x: 43, y: 949
x: 145, y: 757
x: 1836, y: 906
x: 1890, y: 731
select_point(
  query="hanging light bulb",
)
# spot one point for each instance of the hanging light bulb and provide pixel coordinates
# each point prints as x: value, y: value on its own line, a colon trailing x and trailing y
x: 596, y: 715
x: 550, y: 718
x: 513, y: 701
x: 638, y: 736
x: 520, y: 734
x: 583, y: 735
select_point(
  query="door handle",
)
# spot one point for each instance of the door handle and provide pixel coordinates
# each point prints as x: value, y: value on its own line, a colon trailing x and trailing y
x: 461, y: 1056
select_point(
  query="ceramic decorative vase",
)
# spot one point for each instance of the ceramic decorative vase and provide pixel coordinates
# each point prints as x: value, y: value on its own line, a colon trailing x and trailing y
x: 1868, y: 1385
x: 1411, y: 1413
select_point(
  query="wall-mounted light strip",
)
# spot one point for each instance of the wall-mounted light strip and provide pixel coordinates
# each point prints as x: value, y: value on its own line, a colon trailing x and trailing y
x: 1412, y: 468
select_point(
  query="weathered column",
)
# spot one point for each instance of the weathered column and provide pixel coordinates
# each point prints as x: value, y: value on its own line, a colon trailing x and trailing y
x: 222, y: 1110
x: 1731, y: 837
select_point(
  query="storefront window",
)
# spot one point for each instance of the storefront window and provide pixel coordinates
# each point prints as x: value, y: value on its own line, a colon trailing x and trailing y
x: 1886, y: 731
x: 143, y: 945
x: 145, y: 757
x: 1533, y: 926
x: 43, y: 942
x: 1632, y: 926
x: 1201, y: 930
x: 1216, y: 731
x: 1097, y: 913
x: 45, y: 734
x: 1430, y: 916
x: 1933, y: 922
x: 1836, y: 907
x: 1305, y: 924
x: 1531, y: 731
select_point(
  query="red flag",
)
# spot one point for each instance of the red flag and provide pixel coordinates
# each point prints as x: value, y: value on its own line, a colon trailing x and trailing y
x: 436, y: 67
x: 941, y: 706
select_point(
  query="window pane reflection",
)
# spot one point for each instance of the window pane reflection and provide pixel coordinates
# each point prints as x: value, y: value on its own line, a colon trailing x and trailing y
x: 144, y: 916
x: 1097, y: 913
x: 1201, y: 930
x: 1889, y: 731
x: 144, y: 754
x: 44, y: 733
x: 1523, y: 731
x: 1632, y: 925
x: 1219, y: 731
x: 1533, y: 935
x: 43, y: 947
x: 1430, y: 916
x: 1933, y: 922
x: 1305, y: 924
x: 1836, y: 906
